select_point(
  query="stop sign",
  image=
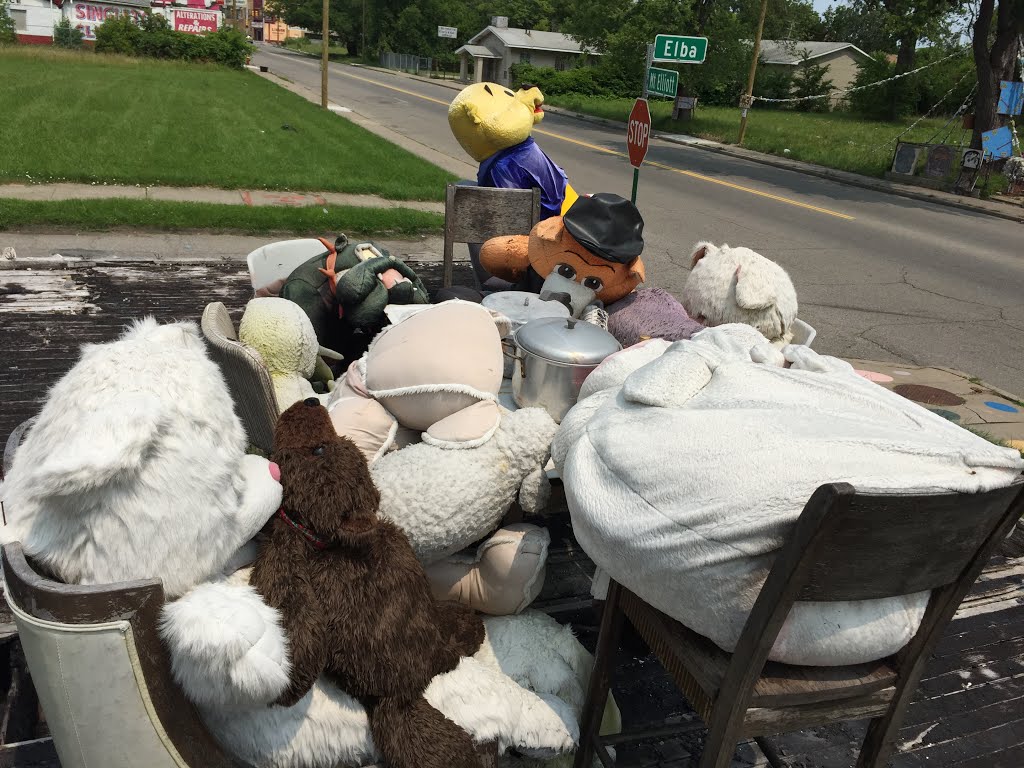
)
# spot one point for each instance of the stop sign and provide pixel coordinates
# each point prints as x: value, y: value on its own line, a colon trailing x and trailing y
x: 638, y: 132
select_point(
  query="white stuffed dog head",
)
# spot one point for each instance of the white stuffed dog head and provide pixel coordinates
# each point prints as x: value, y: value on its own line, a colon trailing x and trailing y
x: 738, y: 285
x: 136, y: 467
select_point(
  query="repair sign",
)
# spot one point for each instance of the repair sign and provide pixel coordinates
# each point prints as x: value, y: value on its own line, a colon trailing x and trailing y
x: 195, y: 22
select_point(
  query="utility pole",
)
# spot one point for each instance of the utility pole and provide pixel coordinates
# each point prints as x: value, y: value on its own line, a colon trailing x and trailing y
x: 746, y: 101
x: 323, y: 57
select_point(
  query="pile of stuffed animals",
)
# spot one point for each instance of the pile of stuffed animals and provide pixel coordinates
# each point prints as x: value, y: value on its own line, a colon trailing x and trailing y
x: 325, y: 604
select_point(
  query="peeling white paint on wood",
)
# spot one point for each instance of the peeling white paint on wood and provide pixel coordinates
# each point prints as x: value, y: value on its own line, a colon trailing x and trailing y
x: 43, y: 291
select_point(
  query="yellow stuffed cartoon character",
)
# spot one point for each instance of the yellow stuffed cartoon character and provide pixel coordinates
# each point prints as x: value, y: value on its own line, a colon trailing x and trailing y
x: 493, y: 125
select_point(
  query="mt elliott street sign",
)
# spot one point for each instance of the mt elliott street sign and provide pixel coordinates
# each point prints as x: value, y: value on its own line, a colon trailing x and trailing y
x: 662, y: 82
x: 680, y: 49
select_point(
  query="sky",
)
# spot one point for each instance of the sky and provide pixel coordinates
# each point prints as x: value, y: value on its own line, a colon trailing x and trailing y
x: 822, y: 5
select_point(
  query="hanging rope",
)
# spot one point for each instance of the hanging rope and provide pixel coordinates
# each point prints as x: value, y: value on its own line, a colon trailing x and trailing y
x: 852, y: 89
x: 959, y: 111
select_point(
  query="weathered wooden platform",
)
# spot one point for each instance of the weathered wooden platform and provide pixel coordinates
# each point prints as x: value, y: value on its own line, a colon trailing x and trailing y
x: 970, y: 707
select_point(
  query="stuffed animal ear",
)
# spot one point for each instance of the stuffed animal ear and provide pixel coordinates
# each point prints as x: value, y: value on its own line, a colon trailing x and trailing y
x: 105, y: 443
x: 754, y: 288
x: 700, y: 250
x: 550, y: 230
x: 636, y: 269
x: 472, y: 112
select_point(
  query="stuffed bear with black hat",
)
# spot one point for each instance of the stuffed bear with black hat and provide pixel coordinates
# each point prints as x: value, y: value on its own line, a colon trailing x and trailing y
x: 592, y: 253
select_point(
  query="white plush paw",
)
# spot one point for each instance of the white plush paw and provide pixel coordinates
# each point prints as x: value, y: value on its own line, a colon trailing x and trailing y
x: 226, y: 645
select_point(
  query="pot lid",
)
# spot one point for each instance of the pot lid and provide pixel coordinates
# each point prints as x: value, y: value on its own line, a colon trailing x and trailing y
x: 567, y: 341
x: 521, y: 306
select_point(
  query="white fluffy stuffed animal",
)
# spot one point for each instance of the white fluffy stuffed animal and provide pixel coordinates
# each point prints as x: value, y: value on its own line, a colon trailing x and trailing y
x: 136, y: 468
x: 738, y: 285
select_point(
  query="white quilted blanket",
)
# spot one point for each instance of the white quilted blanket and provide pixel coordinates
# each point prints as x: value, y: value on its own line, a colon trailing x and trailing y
x: 685, y: 466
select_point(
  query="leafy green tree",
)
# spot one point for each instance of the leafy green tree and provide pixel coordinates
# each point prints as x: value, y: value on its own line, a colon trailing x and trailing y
x: 784, y: 20
x: 65, y: 35
x: 8, y: 34
x: 811, y: 80
x: 866, y: 25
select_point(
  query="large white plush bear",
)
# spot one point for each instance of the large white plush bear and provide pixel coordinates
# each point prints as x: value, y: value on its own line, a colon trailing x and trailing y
x: 686, y: 465
x: 738, y: 285
x: 136, y: 468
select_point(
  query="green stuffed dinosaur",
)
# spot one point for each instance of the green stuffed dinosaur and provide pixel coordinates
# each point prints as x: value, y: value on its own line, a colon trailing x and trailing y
x: 344, y: 291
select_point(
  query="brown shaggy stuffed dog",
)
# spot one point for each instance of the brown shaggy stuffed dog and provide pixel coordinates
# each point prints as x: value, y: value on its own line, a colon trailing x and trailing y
x: 356, y: 603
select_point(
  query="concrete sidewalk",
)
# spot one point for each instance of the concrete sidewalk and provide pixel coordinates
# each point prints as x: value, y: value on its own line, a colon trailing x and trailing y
x: 248, y: 197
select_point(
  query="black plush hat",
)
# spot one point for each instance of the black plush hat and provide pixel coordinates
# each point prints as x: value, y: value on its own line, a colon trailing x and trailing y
x: 607, y: 225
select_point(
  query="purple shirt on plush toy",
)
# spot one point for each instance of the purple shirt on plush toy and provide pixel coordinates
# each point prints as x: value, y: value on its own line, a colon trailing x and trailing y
x: 525, y: 166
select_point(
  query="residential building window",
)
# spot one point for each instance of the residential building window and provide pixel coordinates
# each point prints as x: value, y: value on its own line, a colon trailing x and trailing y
x: 19, y: 18
x: 524, y: 57
x: 561, y: 62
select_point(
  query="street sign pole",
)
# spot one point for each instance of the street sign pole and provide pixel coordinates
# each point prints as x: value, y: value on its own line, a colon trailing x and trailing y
x: 323, y: 56
x: 638, y: 134
x: 647, y: 66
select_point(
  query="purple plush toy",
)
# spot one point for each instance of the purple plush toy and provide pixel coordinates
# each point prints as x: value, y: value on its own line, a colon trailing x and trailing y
x: 650, y: 312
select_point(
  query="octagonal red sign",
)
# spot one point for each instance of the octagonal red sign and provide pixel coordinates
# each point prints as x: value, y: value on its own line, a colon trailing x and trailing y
x: 638, y: 132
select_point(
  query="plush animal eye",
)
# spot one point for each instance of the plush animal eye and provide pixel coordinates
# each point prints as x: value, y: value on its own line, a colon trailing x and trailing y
x: 566, y: 271
x: 318, y: 451
x: 593, y: 284
x: 509, y: 93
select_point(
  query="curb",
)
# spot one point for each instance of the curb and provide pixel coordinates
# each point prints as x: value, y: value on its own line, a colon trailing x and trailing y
x: 979, y: 382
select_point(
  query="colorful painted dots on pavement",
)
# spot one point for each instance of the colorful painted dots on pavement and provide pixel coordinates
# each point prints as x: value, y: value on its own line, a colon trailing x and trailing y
x: 1004, y: 407
x: 949, y: 415
x: 878, y: 378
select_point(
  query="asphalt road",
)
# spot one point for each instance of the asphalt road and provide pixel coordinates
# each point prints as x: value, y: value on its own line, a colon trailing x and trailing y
x: 879, y: 276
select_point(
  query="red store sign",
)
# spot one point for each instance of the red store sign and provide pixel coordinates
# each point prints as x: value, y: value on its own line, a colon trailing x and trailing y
x: 195, y: 22
x: 88, y: 16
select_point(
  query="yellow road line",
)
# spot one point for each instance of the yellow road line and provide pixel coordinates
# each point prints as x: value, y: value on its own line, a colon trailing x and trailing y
x: 652, y: 163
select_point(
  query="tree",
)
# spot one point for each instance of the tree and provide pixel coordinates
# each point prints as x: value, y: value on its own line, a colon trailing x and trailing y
x: 996, y: 43
x: 65, y: 35
x: 869, y: 27
x: 811, y: 80
x: 8, y: 34
x: 784, y: 20
x: 912, y: 21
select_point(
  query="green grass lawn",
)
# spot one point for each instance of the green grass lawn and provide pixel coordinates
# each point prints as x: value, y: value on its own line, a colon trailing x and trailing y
x: 836, y: 139
x: 101, y: 215
x: 85, y: 117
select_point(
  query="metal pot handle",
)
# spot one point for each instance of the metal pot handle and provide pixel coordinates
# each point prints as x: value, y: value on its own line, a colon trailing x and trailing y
x: 511, y: 350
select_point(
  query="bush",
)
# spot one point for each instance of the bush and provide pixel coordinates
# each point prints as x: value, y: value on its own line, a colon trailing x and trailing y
x: 156, y: 40
x: 773, y: 83
x: 811, y: 80
x: 65, y: 35
x: 8, y: 34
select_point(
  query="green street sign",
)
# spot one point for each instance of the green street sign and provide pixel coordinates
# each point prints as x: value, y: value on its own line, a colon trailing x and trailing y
x: 662, y: 82
x: 682, y: 50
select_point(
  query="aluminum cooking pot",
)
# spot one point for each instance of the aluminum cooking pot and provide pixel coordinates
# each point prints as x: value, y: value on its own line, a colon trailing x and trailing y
x: 553, y: 357
x: 521, y: 307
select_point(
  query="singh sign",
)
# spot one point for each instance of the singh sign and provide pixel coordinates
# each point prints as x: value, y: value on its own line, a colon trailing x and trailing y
x: 88, y: 16
x: 195, y: 22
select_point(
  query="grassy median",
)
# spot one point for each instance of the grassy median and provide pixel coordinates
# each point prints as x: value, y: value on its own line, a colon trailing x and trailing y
x: 109, y: 214
x: 84, y: 117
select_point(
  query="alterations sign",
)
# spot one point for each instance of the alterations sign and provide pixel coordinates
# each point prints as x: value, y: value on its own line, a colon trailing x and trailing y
x: 195, y: 22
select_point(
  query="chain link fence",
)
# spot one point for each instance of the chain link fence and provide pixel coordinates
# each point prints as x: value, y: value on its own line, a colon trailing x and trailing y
x: 406, y: 62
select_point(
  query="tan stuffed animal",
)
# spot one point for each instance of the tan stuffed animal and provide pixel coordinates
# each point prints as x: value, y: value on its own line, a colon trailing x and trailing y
x: 422, y: 406
x: 738, y: 285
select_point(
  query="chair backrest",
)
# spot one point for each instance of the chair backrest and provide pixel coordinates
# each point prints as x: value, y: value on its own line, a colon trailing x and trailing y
x: 247, y: 376
x: 858, y: 546
x: 850, y: 546
x: 803, y: 333
x: 102, y: 674
x: 476, y: 214
x: 276, y: 261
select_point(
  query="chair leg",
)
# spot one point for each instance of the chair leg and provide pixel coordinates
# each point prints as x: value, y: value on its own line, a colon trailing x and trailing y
x: 720, y: 744
x: 600, y: 677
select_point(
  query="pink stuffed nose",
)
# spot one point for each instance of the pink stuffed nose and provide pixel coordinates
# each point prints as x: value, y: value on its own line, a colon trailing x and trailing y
x: 275, y: 472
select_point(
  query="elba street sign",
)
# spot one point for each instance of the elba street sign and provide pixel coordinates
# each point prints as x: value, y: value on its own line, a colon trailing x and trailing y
x: 662, y: 82
x: 680, y: 49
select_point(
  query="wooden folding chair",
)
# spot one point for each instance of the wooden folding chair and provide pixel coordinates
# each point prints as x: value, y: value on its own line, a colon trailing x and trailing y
x: 476, y: 214
x: 845, y: 546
